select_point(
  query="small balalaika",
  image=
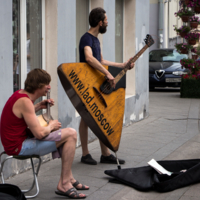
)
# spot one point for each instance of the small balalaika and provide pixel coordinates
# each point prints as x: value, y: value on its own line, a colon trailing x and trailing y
x: 100, y: 105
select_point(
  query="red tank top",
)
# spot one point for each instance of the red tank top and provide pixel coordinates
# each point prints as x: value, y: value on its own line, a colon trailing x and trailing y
x: 12, y: 128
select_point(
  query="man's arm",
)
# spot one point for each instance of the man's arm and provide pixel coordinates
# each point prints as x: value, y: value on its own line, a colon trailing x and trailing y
x: 92, y: 61
x: 109, y: 63
x: 26, y: 109
x: 115, y: 64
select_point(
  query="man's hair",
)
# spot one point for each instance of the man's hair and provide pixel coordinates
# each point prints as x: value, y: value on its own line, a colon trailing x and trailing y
x: 96, y: 15
x: 36, y: 79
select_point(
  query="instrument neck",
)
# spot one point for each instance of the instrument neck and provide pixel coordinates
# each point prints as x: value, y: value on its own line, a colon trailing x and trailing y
x: 123, y: 72
x: 48, y: 106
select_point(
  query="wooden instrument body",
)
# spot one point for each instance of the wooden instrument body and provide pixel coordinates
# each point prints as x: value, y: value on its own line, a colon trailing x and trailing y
x: 104, y: 119
x: 44, y: 119
x: 103, y: 115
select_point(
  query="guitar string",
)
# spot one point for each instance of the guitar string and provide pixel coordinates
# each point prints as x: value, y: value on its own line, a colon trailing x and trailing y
x: 108, y: 86
x: 128, y: 64
x: 116, y: 120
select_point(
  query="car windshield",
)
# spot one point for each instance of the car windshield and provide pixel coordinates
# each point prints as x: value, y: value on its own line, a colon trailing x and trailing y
x: 166, y: 56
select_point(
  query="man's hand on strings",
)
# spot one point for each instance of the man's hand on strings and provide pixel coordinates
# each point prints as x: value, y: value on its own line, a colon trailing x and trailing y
x: 131, y: 66
x: 43, y: 104
x: 111, y: 80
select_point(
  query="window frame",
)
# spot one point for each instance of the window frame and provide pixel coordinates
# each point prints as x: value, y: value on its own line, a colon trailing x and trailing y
x: 22, y: 41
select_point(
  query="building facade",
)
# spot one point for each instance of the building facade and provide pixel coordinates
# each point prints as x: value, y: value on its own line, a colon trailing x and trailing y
x: 162, y: 21
x: 46, y: 33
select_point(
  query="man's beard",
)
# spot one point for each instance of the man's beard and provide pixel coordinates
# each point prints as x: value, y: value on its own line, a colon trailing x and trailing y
x: 102, y: 29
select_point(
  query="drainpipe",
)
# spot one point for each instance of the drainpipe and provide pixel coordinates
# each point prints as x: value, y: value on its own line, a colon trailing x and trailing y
x: 160, y: 23
x: 166, y: 24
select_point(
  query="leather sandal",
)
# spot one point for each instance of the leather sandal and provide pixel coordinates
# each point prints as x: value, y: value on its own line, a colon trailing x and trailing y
x: 79, y: 188
x: 71, y: 193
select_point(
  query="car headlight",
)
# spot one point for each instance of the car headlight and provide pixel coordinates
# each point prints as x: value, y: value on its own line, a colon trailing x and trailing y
x: 179, y: 73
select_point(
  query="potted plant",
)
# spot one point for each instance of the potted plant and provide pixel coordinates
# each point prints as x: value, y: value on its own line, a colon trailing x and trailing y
x: 190, y: 83
x: 183, y: 48
x: 194, y: 21
x: 183, y: 30
x: 192, y: 38
x: 194, y: 53
x: 192, y: 65
x: 196, y: 6
x: 188, y: 3
x: 184, y: 14
x: 195, y: 70
x: 187, y: 63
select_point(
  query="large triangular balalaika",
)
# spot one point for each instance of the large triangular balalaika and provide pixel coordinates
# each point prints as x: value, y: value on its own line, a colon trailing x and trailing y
x: 100, y: 106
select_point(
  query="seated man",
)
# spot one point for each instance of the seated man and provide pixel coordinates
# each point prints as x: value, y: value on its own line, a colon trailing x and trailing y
x: 18, y: 116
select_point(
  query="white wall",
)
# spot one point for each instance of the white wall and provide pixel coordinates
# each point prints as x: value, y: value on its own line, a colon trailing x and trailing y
x: 6, y: 55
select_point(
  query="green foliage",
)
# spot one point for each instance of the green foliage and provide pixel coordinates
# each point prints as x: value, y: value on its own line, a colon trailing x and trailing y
x: 182, y: 29
x: 187, y: 63
x: 192, y: 36
x: 192, y: 65
x: 190, y: 88
x: 184, y: 12
x: 183, y: 46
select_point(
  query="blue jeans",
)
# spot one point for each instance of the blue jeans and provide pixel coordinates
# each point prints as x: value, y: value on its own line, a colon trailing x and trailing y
x: 37, y: 147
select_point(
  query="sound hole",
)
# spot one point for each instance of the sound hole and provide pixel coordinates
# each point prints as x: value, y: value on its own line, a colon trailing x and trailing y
x: 106, y: 87
x: 100, y: 96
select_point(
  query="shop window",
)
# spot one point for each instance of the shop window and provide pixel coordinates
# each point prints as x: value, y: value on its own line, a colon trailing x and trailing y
x: 27, y: 39
x: 34, y: 34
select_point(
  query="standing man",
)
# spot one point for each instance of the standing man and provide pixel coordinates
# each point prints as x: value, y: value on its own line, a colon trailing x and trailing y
x: 18, y: 119
x: 90, y: 52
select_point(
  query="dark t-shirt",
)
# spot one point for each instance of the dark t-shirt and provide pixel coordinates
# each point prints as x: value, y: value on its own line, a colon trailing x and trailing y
x: 89, y: 40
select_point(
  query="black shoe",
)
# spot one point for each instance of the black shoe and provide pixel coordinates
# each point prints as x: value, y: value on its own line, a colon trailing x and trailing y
x: 111, y: 159
x: 88, y: 160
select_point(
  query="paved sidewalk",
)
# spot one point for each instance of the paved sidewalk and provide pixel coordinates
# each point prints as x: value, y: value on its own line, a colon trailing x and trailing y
x: 171, y: 132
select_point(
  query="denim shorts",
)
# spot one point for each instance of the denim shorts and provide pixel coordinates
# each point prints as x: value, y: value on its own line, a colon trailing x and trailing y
x: 37, y: 147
